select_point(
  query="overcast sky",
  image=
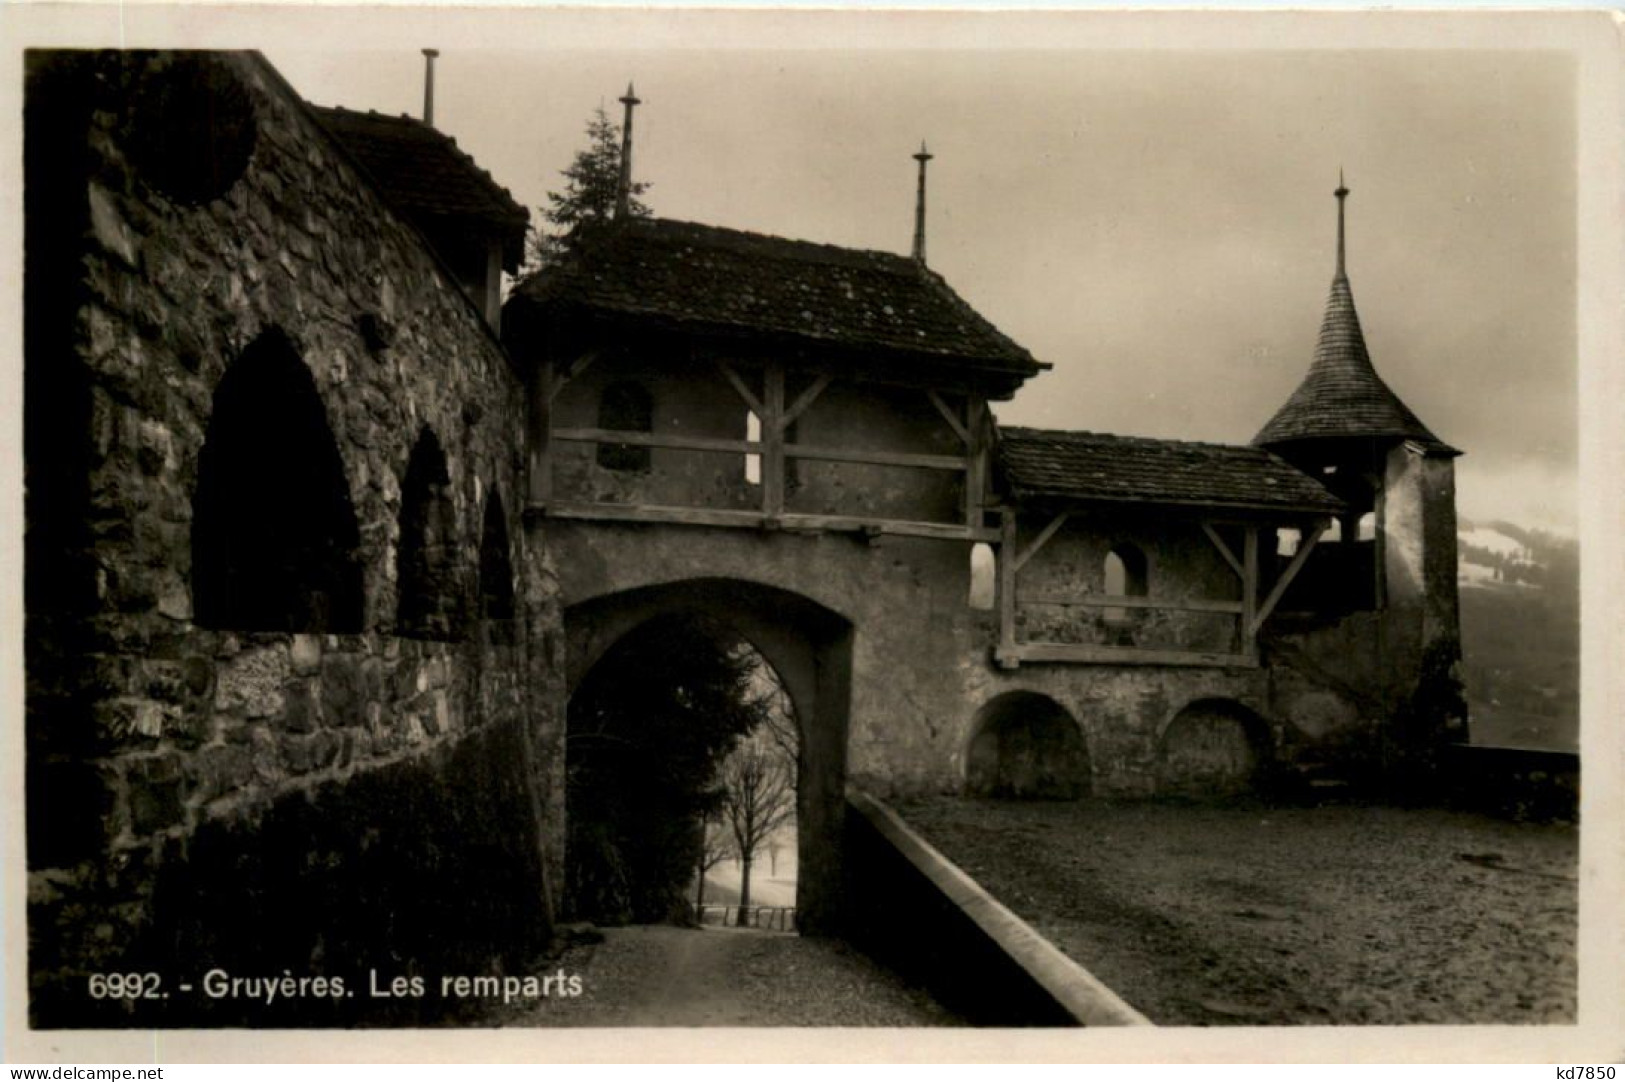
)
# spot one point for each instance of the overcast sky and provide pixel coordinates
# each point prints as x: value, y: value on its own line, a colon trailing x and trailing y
x: 1158, y: 225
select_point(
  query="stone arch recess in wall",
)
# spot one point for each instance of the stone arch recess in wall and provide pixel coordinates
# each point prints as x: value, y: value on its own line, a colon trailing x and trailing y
x: 274, y: 535
x: 428, y: 570
x: 1026, y: 746
x: 810, y: 648
x: 1213, y: 748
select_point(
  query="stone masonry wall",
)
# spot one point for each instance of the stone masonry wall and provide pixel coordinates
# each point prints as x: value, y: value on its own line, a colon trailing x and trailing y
x: 197, y: 797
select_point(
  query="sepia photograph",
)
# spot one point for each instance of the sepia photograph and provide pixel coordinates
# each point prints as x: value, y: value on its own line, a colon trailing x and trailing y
x: 538, y: 521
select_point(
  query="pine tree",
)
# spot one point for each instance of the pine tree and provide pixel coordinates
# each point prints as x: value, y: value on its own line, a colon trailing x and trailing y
x: 592, y: 183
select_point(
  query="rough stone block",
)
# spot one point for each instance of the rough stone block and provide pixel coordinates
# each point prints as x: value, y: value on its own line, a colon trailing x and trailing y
x: 112, y: 232
x: 344, y: 690
x: 306, y: 653
x: 157, y: 789
x: 250, y: 684
x: 220, y: 770
x: 301, y: 711
x: 127, y: 718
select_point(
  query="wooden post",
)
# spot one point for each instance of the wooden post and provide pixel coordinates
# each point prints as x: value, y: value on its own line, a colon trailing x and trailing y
x: 1007, y: 585
x: 975, y: 458
x: 1249, y: 592
x: 538, y: 434
x: 773, y: 438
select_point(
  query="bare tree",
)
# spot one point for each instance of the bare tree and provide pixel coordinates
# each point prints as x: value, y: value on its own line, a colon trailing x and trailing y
x: 759, y: 797
x: 715, y: 846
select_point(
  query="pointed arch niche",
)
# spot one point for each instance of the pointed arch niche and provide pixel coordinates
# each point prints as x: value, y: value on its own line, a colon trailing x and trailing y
x: 496, y: 573
x: 429, y: 575
x: 274, y: 535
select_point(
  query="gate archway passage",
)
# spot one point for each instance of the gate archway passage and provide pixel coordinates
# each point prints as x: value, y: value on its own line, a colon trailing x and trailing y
x: 809, y: 647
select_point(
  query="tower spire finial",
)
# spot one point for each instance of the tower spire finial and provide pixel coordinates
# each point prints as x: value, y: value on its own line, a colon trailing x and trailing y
x: 919, y: 205
x: 1342, y: 194
x: 428, y: 85
x: 623, y: 193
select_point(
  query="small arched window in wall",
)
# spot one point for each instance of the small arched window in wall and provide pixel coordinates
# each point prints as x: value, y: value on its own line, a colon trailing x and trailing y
x: 1367, y: 530
x: 496, y: 573
x: 428, y: 573
x: 274, y: 536
x: 1125, y: 577
x: 625, y: 407
x: 983, y: 576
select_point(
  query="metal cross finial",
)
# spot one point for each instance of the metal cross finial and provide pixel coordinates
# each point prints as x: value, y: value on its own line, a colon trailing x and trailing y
x: 919, y: 205
x: 623, y: 193
x: 1342, y: 194
x: 428, y: 85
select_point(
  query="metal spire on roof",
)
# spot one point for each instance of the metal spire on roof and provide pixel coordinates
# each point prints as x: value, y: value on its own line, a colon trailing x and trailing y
x: 428, y: 85
x: 1342, y: 396
x: 1342, y: 194
x: 623, y: 195
x: 919, y: 205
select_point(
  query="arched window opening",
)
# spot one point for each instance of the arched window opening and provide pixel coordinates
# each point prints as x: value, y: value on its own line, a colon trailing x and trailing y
x: 1287, y: 541
x: 1125, y: 574
x: 983, y: 576
x: 625, y: 407
x: 428, y: 573
x: 496, y: 573
x: 1367, y: 530
x: 274, y: 535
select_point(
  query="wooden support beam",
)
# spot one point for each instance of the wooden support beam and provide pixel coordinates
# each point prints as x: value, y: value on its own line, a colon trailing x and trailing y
x: 975, y: 459
x: 1115, y: 601
x: 1309, y: 541
x: 772, y: 415
x: 1092, y: 654
x: 706, y: 516
x: 1224, y: 550
x: 1041, y: 540
x: 538, y: 434
x: 570, y: 372
x: 948, y: 415
x: 1249, y: 592
x: 1006, y: 559
x: 655, y: 439
x: 751, y: 401
x: 806, y: 398
x: 877, y: 458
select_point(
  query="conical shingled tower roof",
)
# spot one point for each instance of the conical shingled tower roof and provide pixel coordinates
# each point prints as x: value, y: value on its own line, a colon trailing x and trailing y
x: 1342, y: 396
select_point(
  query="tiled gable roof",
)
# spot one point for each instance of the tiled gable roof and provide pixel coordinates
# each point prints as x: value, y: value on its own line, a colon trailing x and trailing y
x: 1342, y: 396
x: 709, y: 279
x: 1088, y: 467
x: 422, y: 171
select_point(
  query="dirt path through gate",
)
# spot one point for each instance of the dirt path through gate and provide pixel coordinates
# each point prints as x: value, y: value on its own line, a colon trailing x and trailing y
x: 657, y: 975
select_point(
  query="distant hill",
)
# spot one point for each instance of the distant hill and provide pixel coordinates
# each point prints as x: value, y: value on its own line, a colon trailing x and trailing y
x: 1520, y: 631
